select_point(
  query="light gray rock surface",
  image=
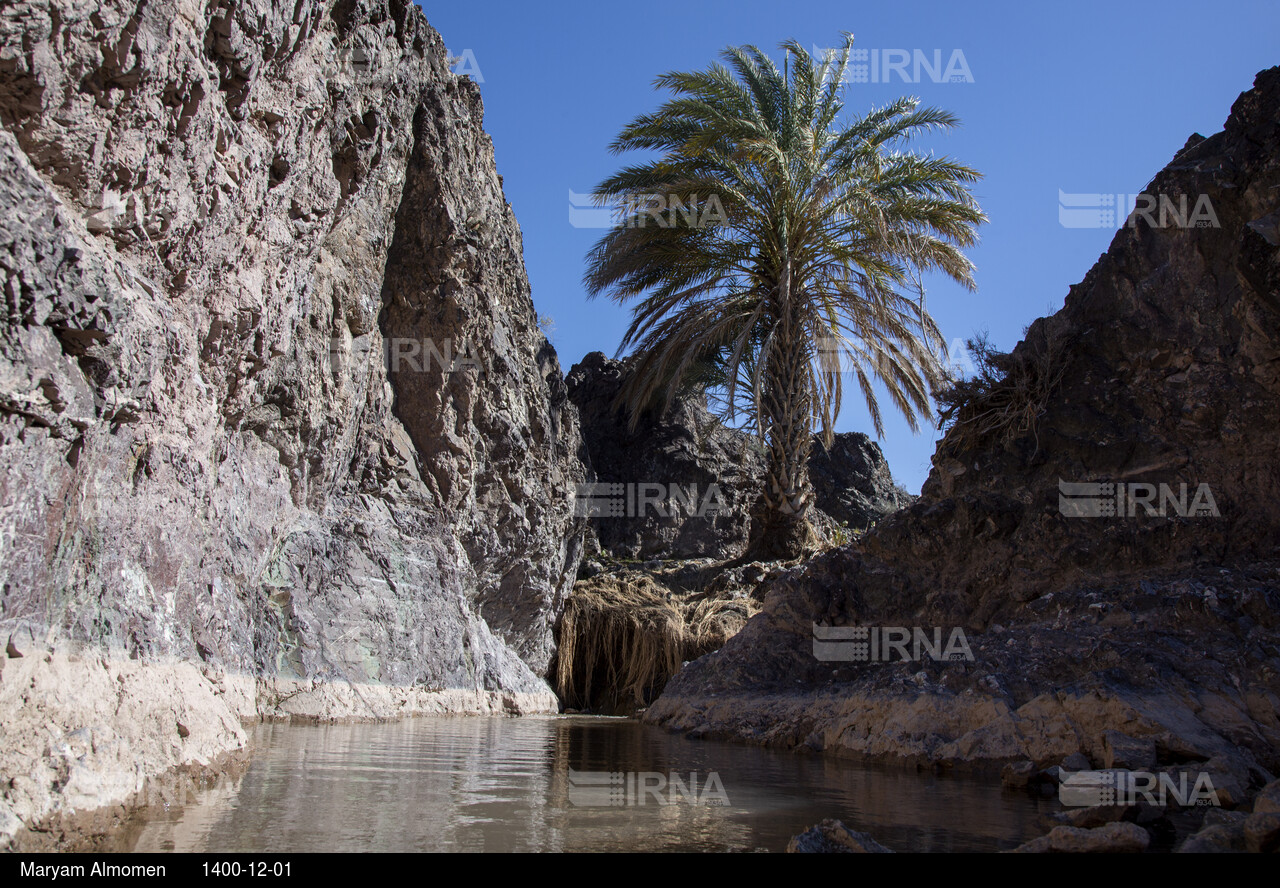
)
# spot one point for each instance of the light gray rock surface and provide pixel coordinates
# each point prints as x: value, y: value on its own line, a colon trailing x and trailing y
x: 217, y: 220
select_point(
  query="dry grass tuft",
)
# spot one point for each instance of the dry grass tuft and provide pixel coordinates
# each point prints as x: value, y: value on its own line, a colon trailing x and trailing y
x: 623, y: 638
x: 1009, y: 393
x: 713, y: 621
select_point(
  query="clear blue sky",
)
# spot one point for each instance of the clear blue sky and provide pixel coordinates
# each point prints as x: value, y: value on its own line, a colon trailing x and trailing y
x: 1078, y: 97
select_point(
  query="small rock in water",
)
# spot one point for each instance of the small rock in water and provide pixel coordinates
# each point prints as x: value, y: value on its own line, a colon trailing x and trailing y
x: 1018, y: 775
x: 1077, y: 761
x: 833, y: 837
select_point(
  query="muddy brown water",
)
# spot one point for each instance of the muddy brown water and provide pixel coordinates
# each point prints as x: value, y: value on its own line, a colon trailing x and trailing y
x: 567, y: 783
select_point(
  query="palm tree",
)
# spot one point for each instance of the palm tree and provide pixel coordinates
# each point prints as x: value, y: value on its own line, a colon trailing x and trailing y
x: 772, y: 249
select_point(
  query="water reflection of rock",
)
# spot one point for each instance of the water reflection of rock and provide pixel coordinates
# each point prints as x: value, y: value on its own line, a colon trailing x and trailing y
x: 500, y: 784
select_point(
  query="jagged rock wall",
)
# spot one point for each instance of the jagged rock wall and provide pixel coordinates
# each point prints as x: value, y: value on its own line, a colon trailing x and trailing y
x: 218, y: 218
x: 1167, y: 367
x: 852, y: 483
x: 689, y: 447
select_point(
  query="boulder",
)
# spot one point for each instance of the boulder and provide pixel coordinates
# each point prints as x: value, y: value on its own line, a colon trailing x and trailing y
x: 1222, y: 832
x: 1262, y: 832
x: 1129, y: 753
x: 833, y: 837
x: 1114, y: 838
x: 1268, y: 799
x: 1018, y: 775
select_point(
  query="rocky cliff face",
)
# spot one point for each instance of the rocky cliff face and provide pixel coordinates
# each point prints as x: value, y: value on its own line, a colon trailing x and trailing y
x: 690, y: 449
x: 1163, y: 368
x: 273, y: 397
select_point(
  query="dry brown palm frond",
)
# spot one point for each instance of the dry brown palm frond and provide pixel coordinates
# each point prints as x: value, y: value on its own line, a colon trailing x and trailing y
x: 1008, y: 394
x: 621, y: 639
x: 713, y: 621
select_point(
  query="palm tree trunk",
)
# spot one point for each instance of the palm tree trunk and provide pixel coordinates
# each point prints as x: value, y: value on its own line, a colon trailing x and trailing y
x: 784, y: 530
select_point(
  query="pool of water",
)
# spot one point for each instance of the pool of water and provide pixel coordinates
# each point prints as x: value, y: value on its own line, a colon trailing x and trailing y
x: 567, y: 783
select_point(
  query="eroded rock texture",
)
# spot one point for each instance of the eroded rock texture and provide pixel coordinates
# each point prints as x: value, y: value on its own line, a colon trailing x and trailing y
x: 218, y: 219
x: 1165, y: 369
x: 690, y: 449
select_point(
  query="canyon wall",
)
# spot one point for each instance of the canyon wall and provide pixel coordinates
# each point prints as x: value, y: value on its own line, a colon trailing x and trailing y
x: 1086, y: 612
x: 274, y: 402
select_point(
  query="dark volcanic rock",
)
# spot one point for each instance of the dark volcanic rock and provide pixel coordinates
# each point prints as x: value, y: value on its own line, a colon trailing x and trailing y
x: 1163, y: 367
x: 852, y: 483
x: 689, y: 447
x: 686, y: 447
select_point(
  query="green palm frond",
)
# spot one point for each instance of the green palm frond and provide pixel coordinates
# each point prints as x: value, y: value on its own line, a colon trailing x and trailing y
x: 812, y: 271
